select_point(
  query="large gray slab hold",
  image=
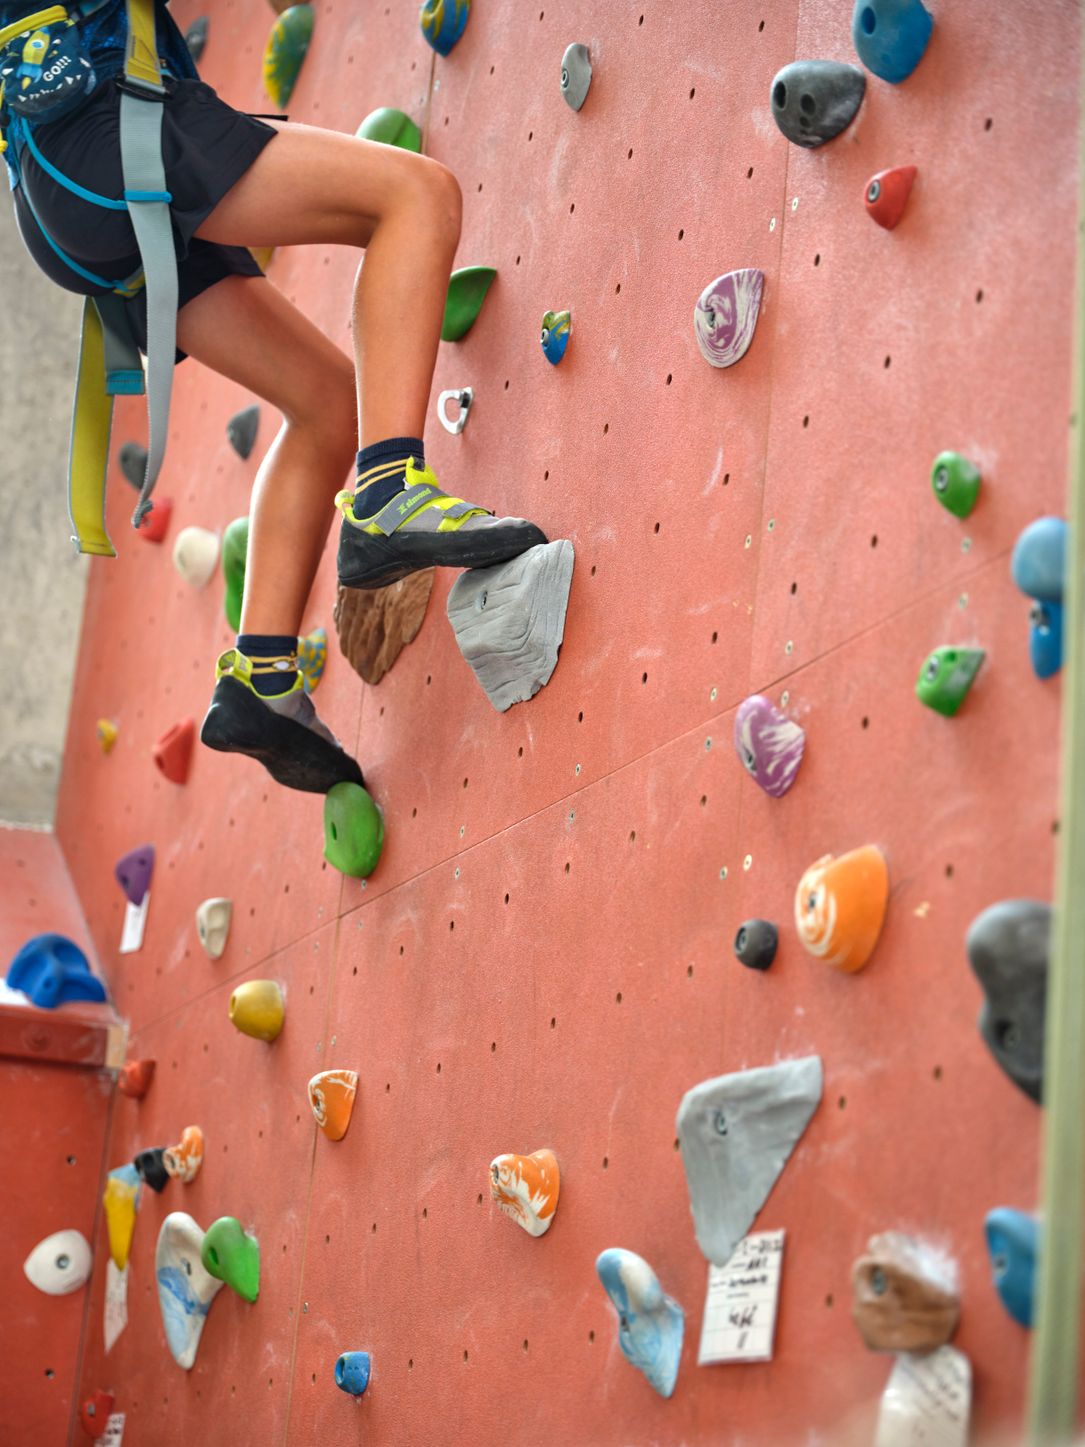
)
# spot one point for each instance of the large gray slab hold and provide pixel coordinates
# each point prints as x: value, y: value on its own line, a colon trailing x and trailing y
x: 1008, y: 947
x: 736, y: 1133
x: 509, y: 621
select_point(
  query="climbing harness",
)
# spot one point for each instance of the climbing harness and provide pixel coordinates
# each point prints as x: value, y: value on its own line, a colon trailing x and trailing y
x: 44, y: 74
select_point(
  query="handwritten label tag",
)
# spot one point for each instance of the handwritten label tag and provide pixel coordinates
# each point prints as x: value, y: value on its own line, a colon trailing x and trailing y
x: 740, y: 1309
x: 927, y: 1401
x: 113, y: 1435
x: 135, y: 921
x: 115, y: 1315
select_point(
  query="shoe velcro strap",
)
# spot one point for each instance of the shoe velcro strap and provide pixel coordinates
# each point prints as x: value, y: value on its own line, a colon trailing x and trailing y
x: 395, y: 513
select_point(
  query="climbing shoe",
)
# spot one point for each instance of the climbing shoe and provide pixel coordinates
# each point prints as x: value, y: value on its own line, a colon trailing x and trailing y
x: 282, y: 732
x: 422, y: 527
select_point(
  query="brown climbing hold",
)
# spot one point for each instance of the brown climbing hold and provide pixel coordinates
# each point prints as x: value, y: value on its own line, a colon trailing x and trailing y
x: 904, y: 1296
x: 375, y: 626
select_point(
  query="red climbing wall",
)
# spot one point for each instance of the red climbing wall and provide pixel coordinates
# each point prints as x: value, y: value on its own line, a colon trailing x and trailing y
x: 543, y: 956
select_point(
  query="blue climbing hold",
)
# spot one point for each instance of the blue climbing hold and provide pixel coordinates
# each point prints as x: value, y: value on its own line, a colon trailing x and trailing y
x: 53, y: 970
x: 650, y: 1324
x: 890, y: 36
x: 443, y: 22
x: 1045, y: 639
x: 1013, y: 1242
x: 352, y: 1373
x: 1039, y: 560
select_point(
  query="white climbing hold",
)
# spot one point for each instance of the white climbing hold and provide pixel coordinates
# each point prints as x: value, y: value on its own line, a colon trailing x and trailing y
x: 60, y: 1263
x: 195, y: 554
x: 509, y: 621
x: 185, y: 1289
x: 213, y: 925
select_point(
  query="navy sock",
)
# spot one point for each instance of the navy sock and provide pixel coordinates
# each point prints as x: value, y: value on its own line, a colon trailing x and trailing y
x: 274, y: 658
x: 382, y: 471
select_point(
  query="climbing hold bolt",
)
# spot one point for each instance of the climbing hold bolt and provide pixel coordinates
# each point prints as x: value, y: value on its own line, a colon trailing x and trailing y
x: 887, y: 195
x: 213, y: 918
x: 352, y: 1372
x: 946, y: 677
x: 172, y: 753
x: 1013, y: 1244
x: 956, y: 483
x: 840, y: 907
x: 755, y: 944
x: 391, y: 128
x: 195, y: 554
x: 814, y: 100
x: 353, y: 830
x: 575, y: 75
x: 725, y: 316
x: 257, y: 1007
x: 133, y: 872
x: 331, y: 1096
x: 52, y: 970
x: 285, y: 50
x: 527, y: 1188
x: 59, y: 1264
x: 890, y: 36
x: 556, y: 330
x: 769, y: 744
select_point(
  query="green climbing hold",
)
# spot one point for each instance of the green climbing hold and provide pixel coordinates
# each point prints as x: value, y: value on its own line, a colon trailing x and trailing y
x: 467, y: 290
x: 956, y: 483
x: 946, y: 677
x: 285, y: 51
x: 353, y: 830
x: 391, y: 128
x: 235, y: 549
x: 230, y: 1254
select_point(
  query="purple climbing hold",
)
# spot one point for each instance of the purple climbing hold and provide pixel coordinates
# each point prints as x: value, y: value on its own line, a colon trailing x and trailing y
x: 769, y: 744
x: 134, y: 873
x: 725, y: 317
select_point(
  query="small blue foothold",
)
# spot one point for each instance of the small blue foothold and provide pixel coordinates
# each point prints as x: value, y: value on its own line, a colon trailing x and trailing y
x: 1039, y: 560
x: 53, y: 970
x: 1013, y: 1241
x: 650, y: 1324
x: 352, y: 1373
x: 1045, y: 639
x: 890, y: 36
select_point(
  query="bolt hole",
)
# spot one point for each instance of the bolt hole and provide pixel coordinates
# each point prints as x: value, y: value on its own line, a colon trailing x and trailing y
x: 874, y: 541
x: 817, y: 259
x: 937, y: 1072
x: 866, y: 722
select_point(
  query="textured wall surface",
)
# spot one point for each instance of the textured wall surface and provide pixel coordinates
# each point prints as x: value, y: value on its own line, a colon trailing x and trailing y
x: 543, y: 956
x: 42, y: 582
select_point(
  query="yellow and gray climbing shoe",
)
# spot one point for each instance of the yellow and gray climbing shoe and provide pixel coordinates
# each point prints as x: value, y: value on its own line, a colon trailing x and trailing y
x: 422, y: 527
x: 283, y: 732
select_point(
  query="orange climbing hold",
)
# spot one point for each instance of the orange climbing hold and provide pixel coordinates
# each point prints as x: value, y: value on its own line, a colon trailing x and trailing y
x: 156, y: 524
x: 331, y: 1095
x: 526, y: 1188
x: 135, y: 1078
x: 183, y: 1161
x: 840, y: 907
x: 173, y: 751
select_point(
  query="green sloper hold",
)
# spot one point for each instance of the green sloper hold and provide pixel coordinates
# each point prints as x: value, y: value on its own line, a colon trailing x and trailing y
x: 946, y: 677
x: 956, y: 483
x: 285, y: 51
x: 391, y: 128
x: 466, y: 292
x: 235, y: 550
x: 230, y: 1254
x: 353, y: 830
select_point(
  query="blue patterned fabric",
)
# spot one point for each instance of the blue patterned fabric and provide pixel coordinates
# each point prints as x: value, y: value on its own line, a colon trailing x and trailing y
x: 106, y: 34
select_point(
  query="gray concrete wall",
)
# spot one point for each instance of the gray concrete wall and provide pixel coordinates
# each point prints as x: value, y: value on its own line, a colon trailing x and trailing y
x: 42, y: 580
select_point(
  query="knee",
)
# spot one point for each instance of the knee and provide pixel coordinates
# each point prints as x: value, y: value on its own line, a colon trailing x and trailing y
x: 442, y: 198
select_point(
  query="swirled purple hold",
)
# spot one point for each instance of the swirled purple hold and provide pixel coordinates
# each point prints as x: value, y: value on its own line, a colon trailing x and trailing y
x: 769, y: 744
x: 725, y: 317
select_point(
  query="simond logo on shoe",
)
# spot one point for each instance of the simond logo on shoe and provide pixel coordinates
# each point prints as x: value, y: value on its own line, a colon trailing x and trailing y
x: 412, y: 502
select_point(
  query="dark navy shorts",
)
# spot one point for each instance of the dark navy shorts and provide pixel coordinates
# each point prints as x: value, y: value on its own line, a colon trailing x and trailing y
x: 207, y: 146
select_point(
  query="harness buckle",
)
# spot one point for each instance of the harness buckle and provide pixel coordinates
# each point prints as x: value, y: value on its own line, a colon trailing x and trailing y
x: 140, y: 89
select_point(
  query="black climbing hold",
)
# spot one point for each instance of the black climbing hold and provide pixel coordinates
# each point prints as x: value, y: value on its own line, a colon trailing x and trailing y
x: 151, y: 1168
x: 241, y: 430
x: 132, y: 460
x: 755, y: 943
x: 1008, y: 947
x: 196, y: 37
x: 814, y: 100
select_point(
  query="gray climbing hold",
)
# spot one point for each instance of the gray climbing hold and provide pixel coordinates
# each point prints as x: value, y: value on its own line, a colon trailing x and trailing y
x: 575, y: 75
x: 132, y: 460
x: 814, y: 100
x: 755, y: 943
x: 196, y: 37
x: 509, y: 621
x: 241, y: 430
x: 1008, y: 948
x: 736, y: 1133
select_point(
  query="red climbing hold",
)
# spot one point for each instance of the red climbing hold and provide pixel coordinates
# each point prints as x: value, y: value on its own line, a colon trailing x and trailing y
x: 156, y: 524
x: 173, y: 751
x: 887, y: 195
x: 135, y: 1078
x: 95, y: 1412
